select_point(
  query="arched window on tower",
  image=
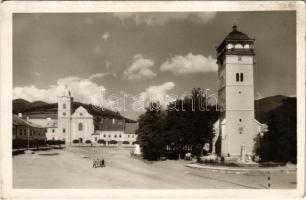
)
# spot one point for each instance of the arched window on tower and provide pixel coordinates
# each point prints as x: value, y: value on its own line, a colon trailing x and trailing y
x: 237, y: 77
x: 241, y: 77
x: 80, y: 126
x: 64, y: 106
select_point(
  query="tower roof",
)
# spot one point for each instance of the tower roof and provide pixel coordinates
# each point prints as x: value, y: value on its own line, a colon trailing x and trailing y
x: 237, y: 35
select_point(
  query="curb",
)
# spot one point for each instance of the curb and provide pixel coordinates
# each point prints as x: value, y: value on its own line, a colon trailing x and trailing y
x: 237, y: 170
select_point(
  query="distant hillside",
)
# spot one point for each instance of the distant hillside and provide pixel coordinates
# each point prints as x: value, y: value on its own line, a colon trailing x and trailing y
x: 43, y: 109
x: 265, y: 105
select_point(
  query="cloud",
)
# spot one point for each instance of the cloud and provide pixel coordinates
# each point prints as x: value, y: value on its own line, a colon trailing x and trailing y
x: 98, y: 75
x: 107, y: 64
x: 140, y: 68
x: 258, y: 96
x: 105, y: 36
x: 161, y: 19
x: 155, y: 93
x: 190, y: 63
x: 82, y: 89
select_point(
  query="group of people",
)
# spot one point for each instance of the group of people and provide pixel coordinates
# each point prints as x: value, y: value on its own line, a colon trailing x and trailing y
x: 98, y: 163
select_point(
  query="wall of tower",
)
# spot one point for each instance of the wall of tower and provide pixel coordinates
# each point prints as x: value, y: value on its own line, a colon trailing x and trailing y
x: 64, y: 117
x: 237, y: 125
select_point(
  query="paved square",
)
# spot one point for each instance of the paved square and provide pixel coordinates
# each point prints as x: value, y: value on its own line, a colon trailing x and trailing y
x: 72, y: 168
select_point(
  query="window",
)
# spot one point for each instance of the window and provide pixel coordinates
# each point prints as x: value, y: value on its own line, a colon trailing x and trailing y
x: 132, y: 136
x: 109, y: 135
x: 241, y: 77
x: 96, y: 138
x: 52, y: 138
x: 115, y: 135
x: 64, y: 130
x: 64, y: 106
x: 239, y: 92
x: 81, y: 114
x: 128, y: 136
x: 104, y: 136
x: 120, y: 135
x: 240, y: 120
x: 239, y: 58
x: 64, y: 114
x: 80, y: 126
x: 237, y: 77
x: 52, y: 130
x: 24, y: 132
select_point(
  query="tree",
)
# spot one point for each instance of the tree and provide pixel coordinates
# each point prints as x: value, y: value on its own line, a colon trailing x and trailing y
x: 280, y: 143
x: 190, y: 122
x: 125, y: 142
x: 150, y: 132
x: 100, y: 141
x: 75, y: 141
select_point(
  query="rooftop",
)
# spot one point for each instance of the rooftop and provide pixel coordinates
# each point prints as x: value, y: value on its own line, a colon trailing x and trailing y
x: 237, y: 35
x: 21, y: 122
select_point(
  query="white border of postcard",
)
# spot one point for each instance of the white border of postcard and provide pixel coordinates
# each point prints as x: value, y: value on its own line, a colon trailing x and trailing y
x: 9, y: 7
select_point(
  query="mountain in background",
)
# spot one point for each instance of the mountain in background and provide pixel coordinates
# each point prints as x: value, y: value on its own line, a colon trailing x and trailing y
x: 265, y: 105
x: 40, y: 109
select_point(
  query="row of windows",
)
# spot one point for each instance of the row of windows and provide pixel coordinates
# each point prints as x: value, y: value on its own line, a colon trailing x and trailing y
x: 115, y: 136
x: 239, y: 77
x: 238, y: 46
x: 24, y: 132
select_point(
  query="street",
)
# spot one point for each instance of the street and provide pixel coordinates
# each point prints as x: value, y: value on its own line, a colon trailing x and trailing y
x: 72, y: 168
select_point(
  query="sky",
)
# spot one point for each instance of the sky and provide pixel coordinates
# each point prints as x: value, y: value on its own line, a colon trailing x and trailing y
x: 120, y: 60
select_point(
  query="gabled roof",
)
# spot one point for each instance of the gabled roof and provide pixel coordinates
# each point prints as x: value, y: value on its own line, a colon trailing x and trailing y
x: 21, y: 122
x: 81, y: 112
x: 130, y: 128
x: 48, y: 123
x: 107, y: 124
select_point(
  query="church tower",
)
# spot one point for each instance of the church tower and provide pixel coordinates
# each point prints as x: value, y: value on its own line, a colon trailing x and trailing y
x: 237, y: 126
x: 64, y: 115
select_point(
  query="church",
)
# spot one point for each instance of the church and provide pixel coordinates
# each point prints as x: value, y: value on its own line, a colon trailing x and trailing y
x: 237, y: 129
x: 78, y: 127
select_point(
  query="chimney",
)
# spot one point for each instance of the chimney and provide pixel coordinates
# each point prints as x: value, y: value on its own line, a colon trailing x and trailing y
x: 20, y: 115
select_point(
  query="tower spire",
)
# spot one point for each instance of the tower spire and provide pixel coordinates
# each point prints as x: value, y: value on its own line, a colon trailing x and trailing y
x: 235, y: 27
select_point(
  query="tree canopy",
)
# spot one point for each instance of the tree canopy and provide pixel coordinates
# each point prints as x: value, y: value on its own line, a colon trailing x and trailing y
x: 280, y: 142
x: 185, y: 122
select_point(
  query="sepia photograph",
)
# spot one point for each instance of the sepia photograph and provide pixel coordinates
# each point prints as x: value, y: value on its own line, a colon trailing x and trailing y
x: 144, y: 99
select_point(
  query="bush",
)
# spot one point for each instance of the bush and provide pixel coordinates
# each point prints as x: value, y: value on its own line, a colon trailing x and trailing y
x: 125, y: 142
x: 75, y: 141
x: 87, y: 141
x: 100, y: 141
x: 113, y: 142
x: 19, y: 143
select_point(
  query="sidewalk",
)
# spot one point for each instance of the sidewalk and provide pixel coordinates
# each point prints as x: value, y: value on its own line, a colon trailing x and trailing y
x: 244, y: 170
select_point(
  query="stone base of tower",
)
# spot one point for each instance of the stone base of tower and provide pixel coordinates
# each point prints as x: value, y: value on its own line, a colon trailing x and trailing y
x: 230, y: 143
